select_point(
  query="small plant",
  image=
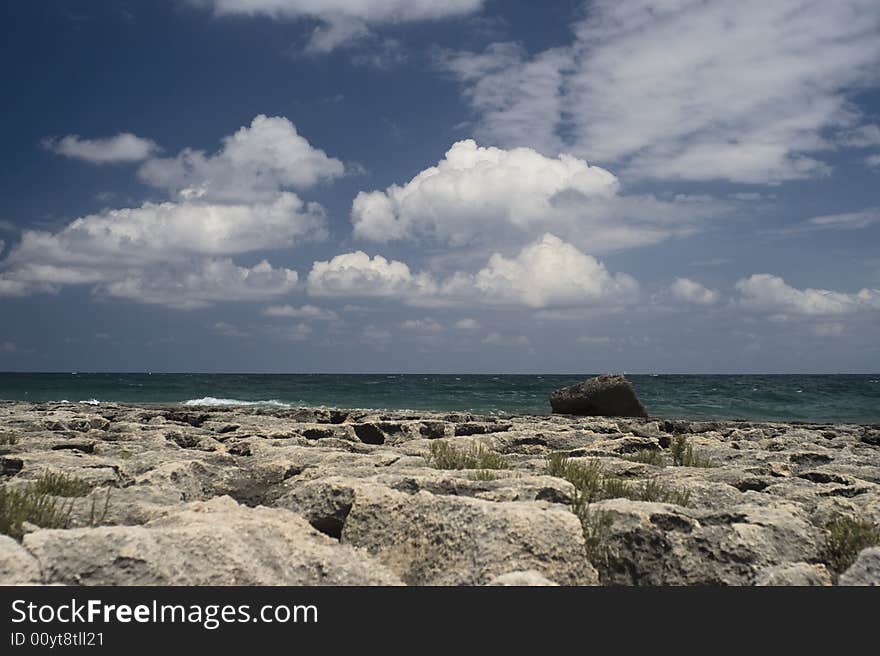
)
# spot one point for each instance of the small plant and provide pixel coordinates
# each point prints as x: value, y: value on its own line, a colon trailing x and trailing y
x: 647, y: 457
x: 446, y: 456
x: 596, y: 525
x: 593, y: 483
x: 8, y: 439
x: 846, y: 537
x: 97, y: 513
x: 61, y: 485
x: 683, y: 454
x: 27, y: 505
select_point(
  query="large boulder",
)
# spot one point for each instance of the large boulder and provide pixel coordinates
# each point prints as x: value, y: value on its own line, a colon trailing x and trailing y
x: 429, y: 539
x: 216, y: 542
x: 603, y: 396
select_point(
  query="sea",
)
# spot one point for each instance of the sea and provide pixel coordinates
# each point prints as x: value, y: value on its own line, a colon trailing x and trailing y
x: 810, y: 398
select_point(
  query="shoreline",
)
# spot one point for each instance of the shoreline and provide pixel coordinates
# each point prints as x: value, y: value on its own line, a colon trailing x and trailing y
x: 199, y: 495
x: 245, y: 406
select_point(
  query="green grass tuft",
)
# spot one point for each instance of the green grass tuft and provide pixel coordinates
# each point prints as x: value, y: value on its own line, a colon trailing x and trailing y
x: 683, y: 454
x: 647, y: 457
x: 61, y: 485
x: 28, y: 505
x: 446, y: 456
x: 846, y: 537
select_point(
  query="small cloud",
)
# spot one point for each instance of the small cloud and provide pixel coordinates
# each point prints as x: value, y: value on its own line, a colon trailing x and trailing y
x: 686, y: 290
x: 426, y: 325
x: 594, y: 339
x: 497, y: 339
x: 305, y: 312
x: 467, y: 325
x: 124, y: 147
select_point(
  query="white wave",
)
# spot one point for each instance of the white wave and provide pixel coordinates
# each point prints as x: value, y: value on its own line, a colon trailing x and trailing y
x: 212, y: 400
x: 91, y: 402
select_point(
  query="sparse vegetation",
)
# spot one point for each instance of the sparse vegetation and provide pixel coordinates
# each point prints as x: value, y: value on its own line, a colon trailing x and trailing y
x: 684, y: 455
x: 846, y: 537
x: 647, y: 457
x: 61, y: 485
x: 28, y: 505
x: 483, y: 475
x: 594, y: 483
x: 8, y: 439
x: 446, y: 456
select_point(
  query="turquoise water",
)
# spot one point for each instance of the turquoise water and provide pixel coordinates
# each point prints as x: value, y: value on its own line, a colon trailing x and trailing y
x: 822, y: 398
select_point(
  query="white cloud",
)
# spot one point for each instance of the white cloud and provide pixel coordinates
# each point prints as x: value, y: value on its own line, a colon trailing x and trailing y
x: 358, y: 275
x: 202, y: 284
x: 873, y: 160
x: 305, y: 312
x: 343, y: 20
x: 426, y: 325
x: 467, y: 325
x: 686, y: 290
x: 252, y: 165
x: 846, y: 221
x: 482, y: 196
x: 474, y: 190
x: 298, y: 333
x: 860, y: 137
x: 173, y: 253
x: 548, y: 273
x: 689, y: 89
x: 772, y: 295
x: 124, y: 147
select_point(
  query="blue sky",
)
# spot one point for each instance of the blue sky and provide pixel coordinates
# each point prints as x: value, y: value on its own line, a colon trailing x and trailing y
x: 468, y: 186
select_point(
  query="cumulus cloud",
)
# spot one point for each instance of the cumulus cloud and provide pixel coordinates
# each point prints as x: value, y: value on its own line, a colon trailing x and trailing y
x: 482, y: 195
x: 689, y: 89
x: 545, y: 274
x: 342, y: 21
x: 770, y: 294
x: 873, y: 160
x: 175, y: 253
x: 305, y: 312
x: 252, y: 165
x: 686, y: 290
x: 122, y: 148
x: 202, y: 284
x: 359, y: 275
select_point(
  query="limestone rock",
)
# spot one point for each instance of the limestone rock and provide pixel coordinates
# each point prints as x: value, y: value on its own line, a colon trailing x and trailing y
x: 529, y: 578
x: 441, y: 540
x: 865, y: 571
x: 217, y: 542
x: 17, y: 566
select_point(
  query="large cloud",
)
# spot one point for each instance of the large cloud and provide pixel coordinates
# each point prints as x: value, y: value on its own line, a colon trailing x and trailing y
x: 545, y: 274
x: 173, y: 252
x: 343, y: 20
x: 692, y: 89
x: 204, y: 283
x: 253, y: 164
x: 485, y: 195
x: 124, y: 147
x: 771, y: 295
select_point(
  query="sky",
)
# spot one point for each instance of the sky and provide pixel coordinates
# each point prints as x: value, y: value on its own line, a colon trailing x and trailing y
x: 681, y: 186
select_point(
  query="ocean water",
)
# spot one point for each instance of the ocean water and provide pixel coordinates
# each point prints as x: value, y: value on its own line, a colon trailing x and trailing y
x: 818, y: 398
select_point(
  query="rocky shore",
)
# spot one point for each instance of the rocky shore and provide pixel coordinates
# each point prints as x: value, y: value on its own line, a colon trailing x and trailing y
x: 118, y: 494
